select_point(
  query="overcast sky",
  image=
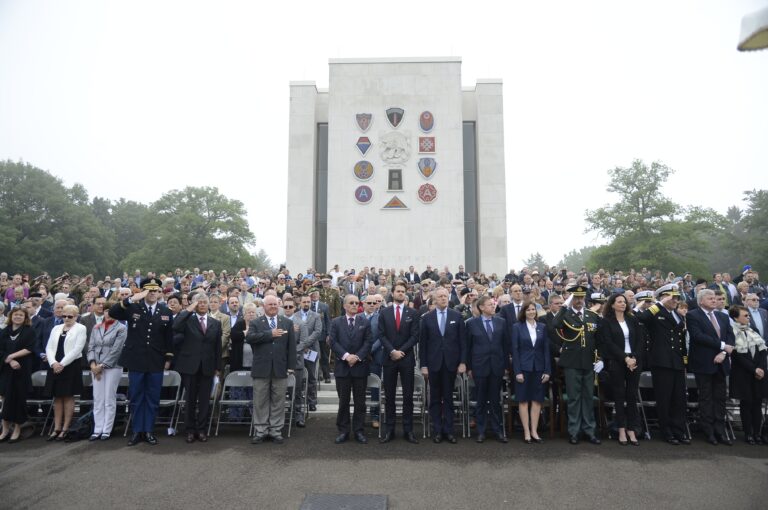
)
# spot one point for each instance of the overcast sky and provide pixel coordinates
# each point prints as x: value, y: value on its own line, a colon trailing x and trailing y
x: 133, y: 99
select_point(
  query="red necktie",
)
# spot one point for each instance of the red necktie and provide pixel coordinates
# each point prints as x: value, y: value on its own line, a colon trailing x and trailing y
x: 397, y: 317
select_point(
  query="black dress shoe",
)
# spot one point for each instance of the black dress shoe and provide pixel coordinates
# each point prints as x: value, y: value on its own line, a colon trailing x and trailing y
x: 150, y: 438
x: 411, y: 438
x: 711, y: 440
x: 341, y: 438
x: 202, y: 437
x: 502, y: 439
x: 386, y: 438
x: 684, y: 440
x: 450, y: 438
x: 750, y: 440
x: 360, y: 438
x: 135, y: 438
x: 573, y: 439
x: 190, y: 437
x: 437, y: 439
x: 673, y: 441
x: 594, y: 440
x: 327, y: 381
x: 301, y: 424
x: 480, y: 438
x: 312, y: 407
x: 278, y: 439
x: 257, y: 439
x: 725, y: 441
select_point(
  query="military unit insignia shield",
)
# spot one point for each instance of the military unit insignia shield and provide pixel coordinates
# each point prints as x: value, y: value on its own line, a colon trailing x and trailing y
x: 363, y: 144
x: 427, y: 144
x: 363, y: 194
x: 395, y: 203
x: 426, y: 121
x: 395, y: 116
x: 364, y: 121
x: 363, y: 170
x: 427, y: 193
x: 427, y: 167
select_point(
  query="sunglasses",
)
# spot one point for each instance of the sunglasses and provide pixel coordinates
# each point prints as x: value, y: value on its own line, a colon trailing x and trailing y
x: 354, y: 303
x: 289, y: 307
x: 68, y: 316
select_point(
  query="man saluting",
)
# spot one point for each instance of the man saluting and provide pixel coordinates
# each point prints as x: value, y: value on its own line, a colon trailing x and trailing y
x: 147, y: 352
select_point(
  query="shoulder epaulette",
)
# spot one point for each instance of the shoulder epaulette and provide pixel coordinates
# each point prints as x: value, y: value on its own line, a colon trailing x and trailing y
x: 654, y: 309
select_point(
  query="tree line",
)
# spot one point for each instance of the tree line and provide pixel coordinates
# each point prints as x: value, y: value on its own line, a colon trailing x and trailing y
x: 49, y: 227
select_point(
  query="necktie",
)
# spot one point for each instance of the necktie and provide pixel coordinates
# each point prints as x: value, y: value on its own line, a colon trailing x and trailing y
x: 351, y: 322
x: 714, y: 323
x: 272, y: 323
x: 489, y: 328
x: 202, y: 324
x: 442, y: 323
x: 314, y: 307
x: 397, y: 317
x: 151, y: 311
x: 517, y: 310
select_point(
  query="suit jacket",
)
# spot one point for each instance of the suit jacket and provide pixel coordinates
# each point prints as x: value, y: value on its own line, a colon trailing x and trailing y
x: 196, y: 350
x: 358, y: 342
x: 104, y: 347
x: 73, y: 344
x: 610, y: 339
x: 527, y: 357
x: 237, y: 342
x: 272, y: 356
x: 438, y: 351
x: 314, y: 325
x: 666, y: 347
x: 150, y: 337
x: 399, y: 340
x: 705, y: 344
x: 325, y: 315
x: 486, y: 357
x: 753, y: 325
x: 302, y: 339
x: 42, y: 329
x: 412, y: 278
x: 226, y: 331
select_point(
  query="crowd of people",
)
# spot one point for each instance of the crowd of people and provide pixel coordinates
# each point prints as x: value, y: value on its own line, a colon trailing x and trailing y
x: 544, y: 332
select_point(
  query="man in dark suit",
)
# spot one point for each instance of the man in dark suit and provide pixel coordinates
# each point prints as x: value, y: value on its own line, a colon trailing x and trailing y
x: 442, y: 352
x: 511, y: 311
x: 351, y: 341
x: 712, y: 341
x: 273, y: 342
x: 488, y: 348
x: 197, y: 338
x: 412, y: 276
x: 148, y: 351
x: 666, y: 355
x: 398, y: 331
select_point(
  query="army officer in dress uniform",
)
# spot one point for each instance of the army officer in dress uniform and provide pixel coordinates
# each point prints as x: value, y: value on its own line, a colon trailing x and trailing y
x: 667, y: 357
x: 575, y: 329
x: 147, y: 352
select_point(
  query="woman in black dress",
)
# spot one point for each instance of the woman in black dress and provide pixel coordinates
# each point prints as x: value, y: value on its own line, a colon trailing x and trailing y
x: 620, y: 343
x: 65, y: 378
x: 748, y: 372
x: 17, y: 341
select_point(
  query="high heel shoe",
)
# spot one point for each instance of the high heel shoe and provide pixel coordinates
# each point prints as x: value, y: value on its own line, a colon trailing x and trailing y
x: 623, y: 443
x: 634, y: 442
x: 52, y: 437
x: 527, y: 440
x: 63, y: 436
x: 538, y: 440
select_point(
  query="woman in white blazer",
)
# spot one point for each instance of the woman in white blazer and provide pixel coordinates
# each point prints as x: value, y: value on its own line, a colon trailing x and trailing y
x: 64, y: 379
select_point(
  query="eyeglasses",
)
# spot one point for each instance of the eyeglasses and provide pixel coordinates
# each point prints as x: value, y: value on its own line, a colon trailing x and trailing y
x: 370, y: 302
x: 289, y: 307
x: 68, y: 316
x: 353, y: 303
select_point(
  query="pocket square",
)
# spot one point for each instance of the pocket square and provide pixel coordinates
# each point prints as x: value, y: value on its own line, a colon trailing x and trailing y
x: 452, y: 322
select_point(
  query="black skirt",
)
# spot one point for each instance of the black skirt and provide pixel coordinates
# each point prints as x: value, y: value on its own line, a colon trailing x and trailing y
x: 67, y: 383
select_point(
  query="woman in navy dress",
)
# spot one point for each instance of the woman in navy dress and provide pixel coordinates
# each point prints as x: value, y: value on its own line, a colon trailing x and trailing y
x: 532, y: 367
x: 17, y: 342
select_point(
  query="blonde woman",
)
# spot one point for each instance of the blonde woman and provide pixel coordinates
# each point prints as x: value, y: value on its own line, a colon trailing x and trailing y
x: 64, y: 379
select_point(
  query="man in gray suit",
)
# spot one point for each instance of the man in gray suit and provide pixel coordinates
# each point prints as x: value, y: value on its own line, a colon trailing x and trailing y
x: 273, y: 341
x: 323, y: 310
x: 314, y: 324
x: 302, y: 343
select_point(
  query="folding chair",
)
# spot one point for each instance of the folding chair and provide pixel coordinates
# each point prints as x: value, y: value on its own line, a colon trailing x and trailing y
x: 212, y: 399
x: 172, y: 385
x: 86, y: 395
x: 374, y: 381
x: 646, y: 383
x: 460, y: 402
x: 237, y: 379
x: 289, y: 399
x: 420, y: 396
x: 693, y: 407
x: 39, y: 400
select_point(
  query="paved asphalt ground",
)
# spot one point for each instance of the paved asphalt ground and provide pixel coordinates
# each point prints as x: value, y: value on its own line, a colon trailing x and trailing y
x: 229, y: 472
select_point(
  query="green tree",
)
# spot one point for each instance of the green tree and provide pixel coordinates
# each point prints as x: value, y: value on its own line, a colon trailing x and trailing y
x: 49, y: 227
x: 194, y: 227
x: 756, y: 230
x: 641, y: 207
x: 576, y: 259
x: 535, y: 260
